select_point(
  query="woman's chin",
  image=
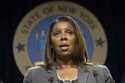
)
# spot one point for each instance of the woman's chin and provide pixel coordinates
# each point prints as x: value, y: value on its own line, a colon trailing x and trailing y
x: 64, y: 53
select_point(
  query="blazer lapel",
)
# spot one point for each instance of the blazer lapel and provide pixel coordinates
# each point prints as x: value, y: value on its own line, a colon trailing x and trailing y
x: 85, y: 75
x: 54, y: 75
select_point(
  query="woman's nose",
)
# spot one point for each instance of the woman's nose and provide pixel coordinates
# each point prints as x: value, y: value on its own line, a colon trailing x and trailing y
x: 63, y: 36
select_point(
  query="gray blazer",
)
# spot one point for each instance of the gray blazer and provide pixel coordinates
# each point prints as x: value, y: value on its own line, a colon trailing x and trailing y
x: 87, y: 74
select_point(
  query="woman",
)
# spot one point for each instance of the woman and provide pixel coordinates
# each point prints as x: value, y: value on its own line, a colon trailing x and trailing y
x: 66, y: 58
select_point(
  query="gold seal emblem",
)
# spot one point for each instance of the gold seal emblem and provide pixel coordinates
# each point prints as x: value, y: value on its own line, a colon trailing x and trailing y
x: 28, y: 44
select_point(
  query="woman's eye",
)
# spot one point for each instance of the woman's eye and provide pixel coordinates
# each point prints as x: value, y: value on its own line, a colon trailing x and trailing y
x: 70, y: 32
x: 55, y: 33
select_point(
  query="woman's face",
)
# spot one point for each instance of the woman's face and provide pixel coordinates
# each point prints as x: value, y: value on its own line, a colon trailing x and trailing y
x: 63, y: 38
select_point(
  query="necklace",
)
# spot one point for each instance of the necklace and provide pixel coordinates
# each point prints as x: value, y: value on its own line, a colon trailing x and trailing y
x: 67, y: 75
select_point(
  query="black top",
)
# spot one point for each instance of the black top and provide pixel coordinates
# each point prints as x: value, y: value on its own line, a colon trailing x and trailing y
x: 68, y: 81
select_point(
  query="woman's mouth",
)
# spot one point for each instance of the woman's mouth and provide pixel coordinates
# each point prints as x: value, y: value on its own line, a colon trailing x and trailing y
x: 64, y: 47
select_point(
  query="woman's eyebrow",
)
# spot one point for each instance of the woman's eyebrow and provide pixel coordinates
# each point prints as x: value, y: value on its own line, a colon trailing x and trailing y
x: 71, y: 28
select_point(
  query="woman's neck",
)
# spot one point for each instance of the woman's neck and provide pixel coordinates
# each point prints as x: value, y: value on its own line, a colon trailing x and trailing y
x: 65, y: 63
x: 66, y: 66
x: 64, y: 60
